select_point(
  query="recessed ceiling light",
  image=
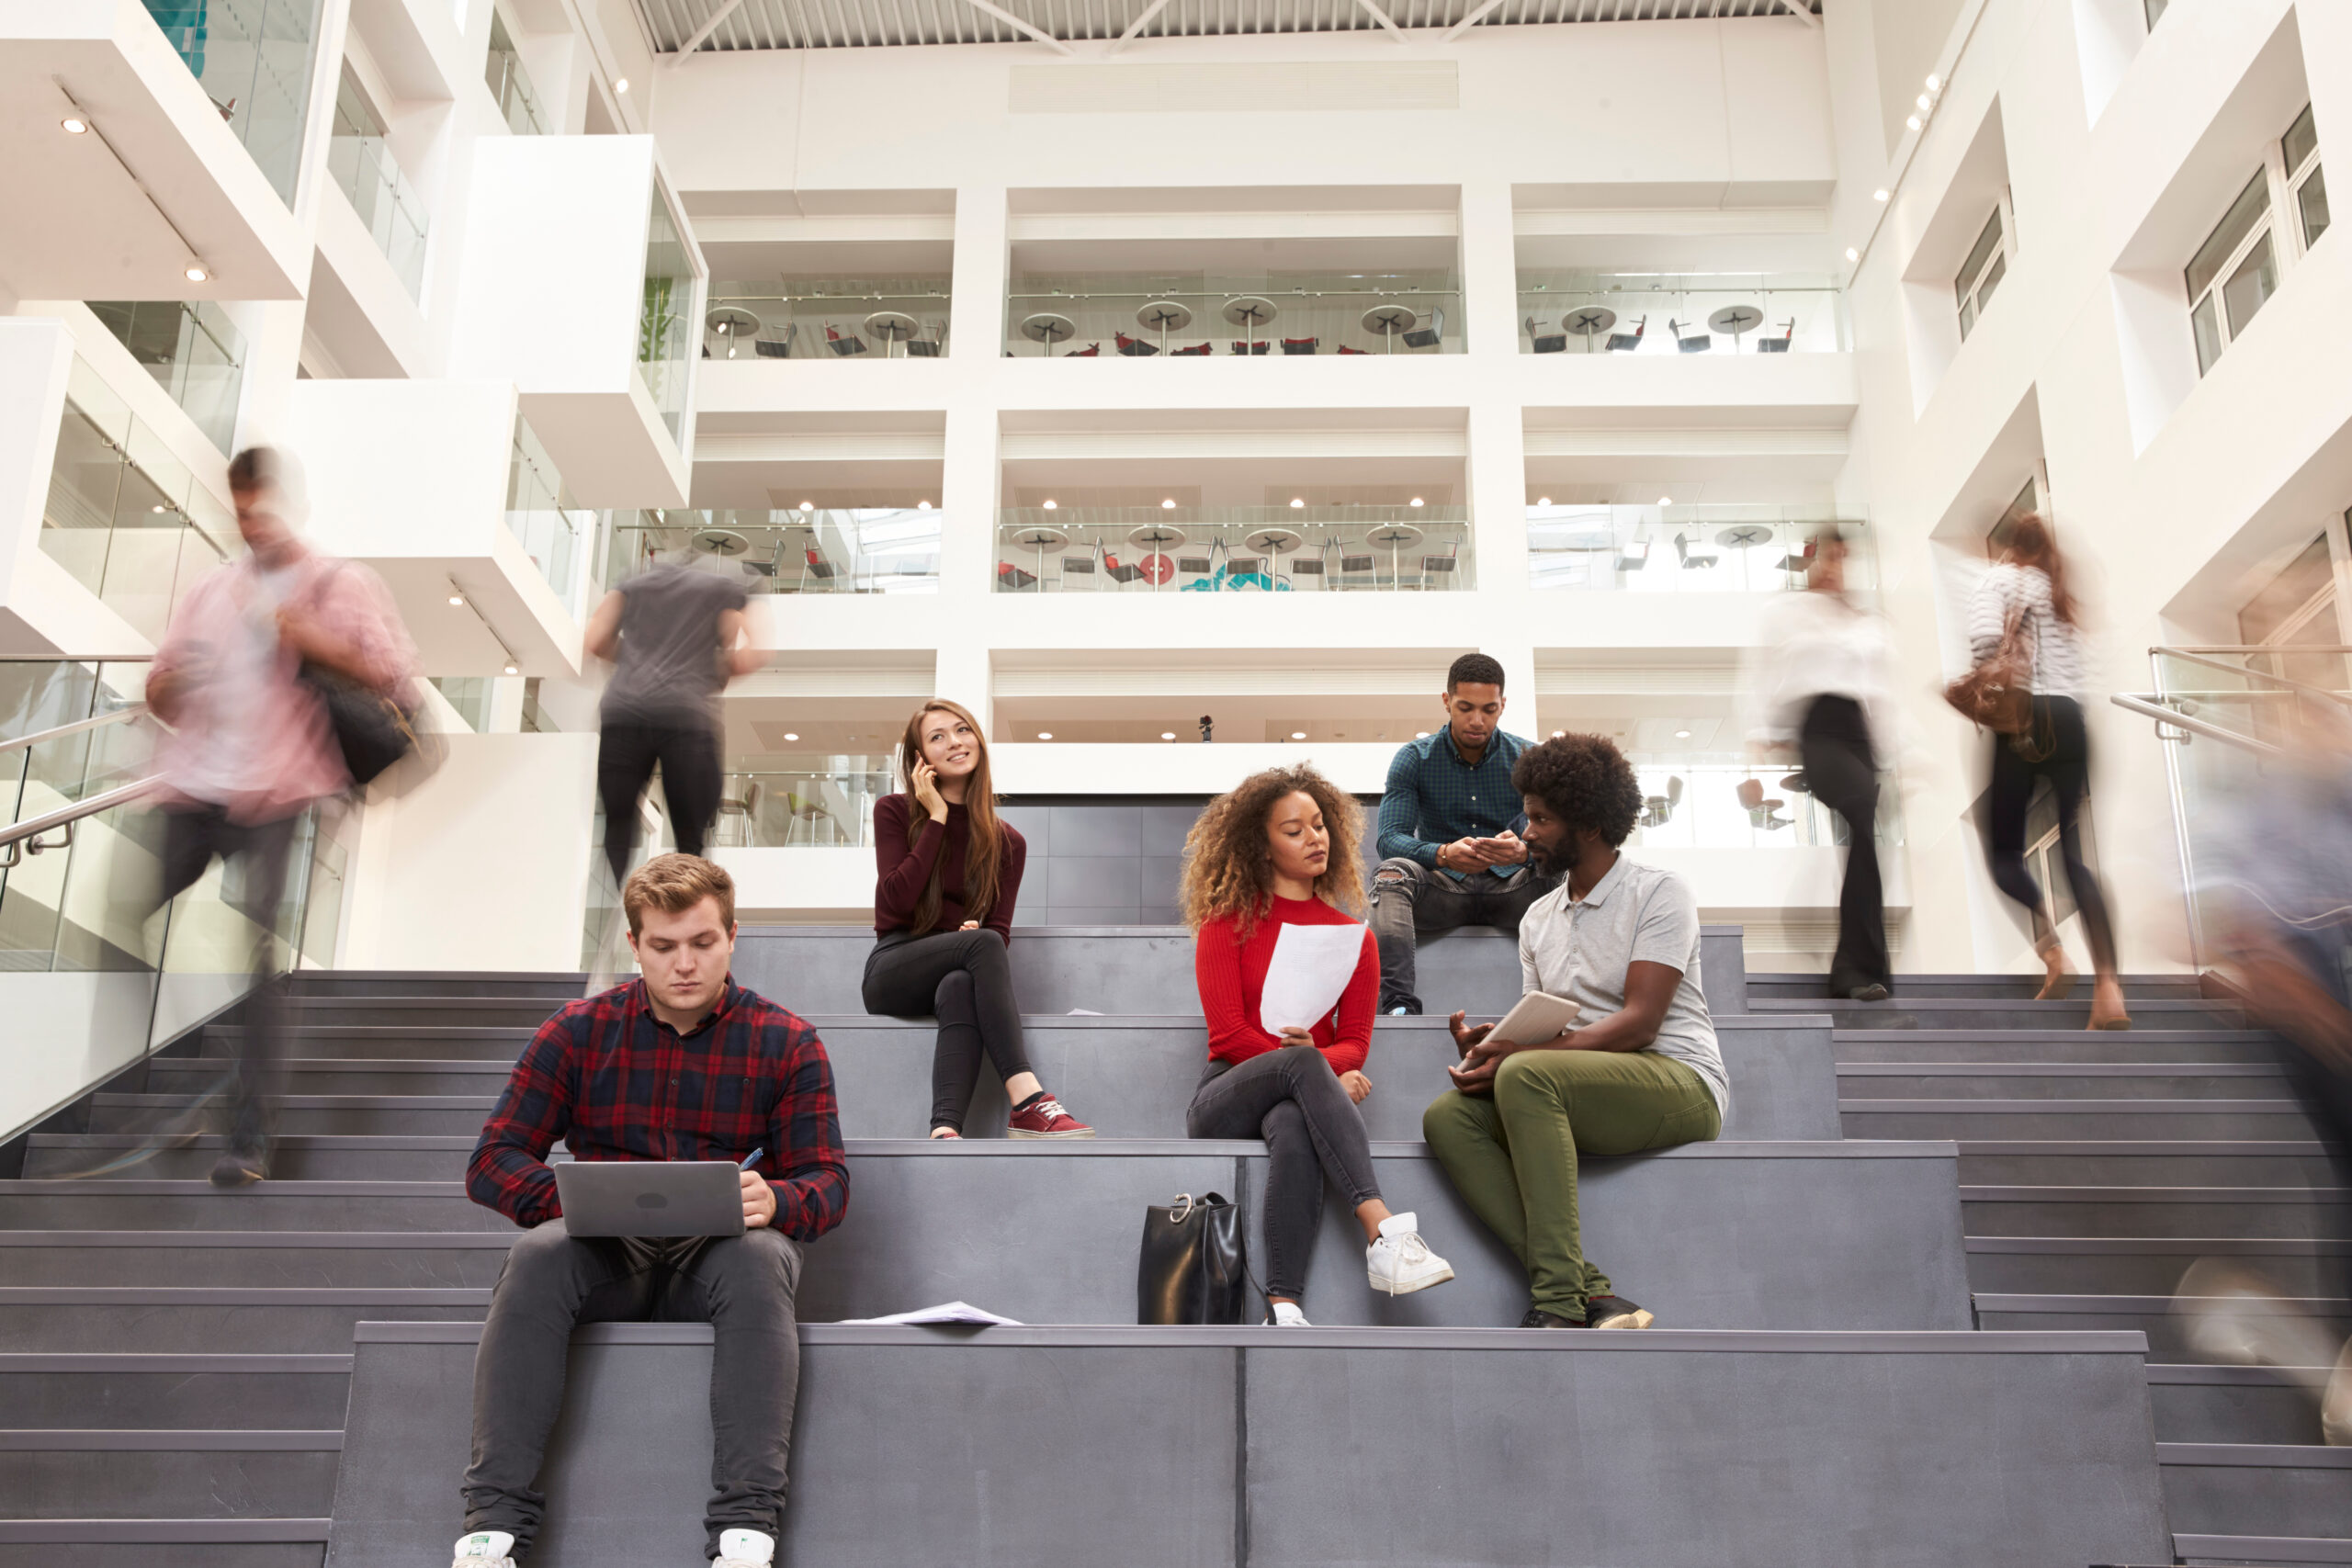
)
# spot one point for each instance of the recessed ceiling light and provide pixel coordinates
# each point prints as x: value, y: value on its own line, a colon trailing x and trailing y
x: 1168, y: 507
x: 1297, y: 500
x: 1167, y: 735
x: 922, y: 506
x: 1420, y: 735
x: 1542, y: 501
x: 1299, y: 735
x: 1666, y: 500
x: 196, y: 274
x: 457, y: 598
x: 1683, y: 735
x: 1879, y: 195
x: 157, y: 508
x: 1934, y: 81
x: 76, y: 125
x: 512, y: 668
x: 1913, y: 122
x: 1852, y: 255
x: 1925, y: 103
x: 1415, y: 501
x: 789, y: 736
x: 620, y: 84
x: 1050, y: 505
x: 807, y: 506
x: 1558, y: 734
x: 1044, y: 735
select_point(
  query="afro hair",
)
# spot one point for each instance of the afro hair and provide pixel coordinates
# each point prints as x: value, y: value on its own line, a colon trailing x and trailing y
x: 1587, y: 783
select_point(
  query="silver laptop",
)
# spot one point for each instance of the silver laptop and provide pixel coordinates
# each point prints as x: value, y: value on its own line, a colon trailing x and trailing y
x: 643, y: 1197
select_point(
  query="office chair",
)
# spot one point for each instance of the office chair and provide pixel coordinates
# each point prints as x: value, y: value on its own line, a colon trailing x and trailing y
x: 1554, y: 342
x: 1625, y: 342
x: 1427, y: 337
x: 1689, y: 342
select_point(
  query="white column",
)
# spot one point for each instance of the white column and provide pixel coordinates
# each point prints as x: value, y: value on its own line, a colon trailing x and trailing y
x: 1497, y: 476
x: 968, y: 479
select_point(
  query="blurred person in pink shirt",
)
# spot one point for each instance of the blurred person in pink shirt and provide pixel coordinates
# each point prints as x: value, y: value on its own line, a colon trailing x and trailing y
x: 250, y: 746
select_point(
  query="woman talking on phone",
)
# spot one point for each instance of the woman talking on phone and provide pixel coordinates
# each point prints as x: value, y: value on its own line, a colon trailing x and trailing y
x: 1280, y: 852
x: 948, y: 875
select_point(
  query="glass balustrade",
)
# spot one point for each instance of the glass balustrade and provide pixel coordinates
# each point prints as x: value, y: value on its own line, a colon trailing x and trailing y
x: 362, y: 167
x: 557, y: 531
x: 794, y: 802
x: 253, y: 59
x: 1698, y: 805
x: 510, y: 84
x: 123, y: 515
x: 1206, y: 315
x: 823, y: 550
x: 1210, y: 549
x: 1685, y: 549
x: 194, y: 352
x: 664, y: 330
x: 827, y: 319
x: 1573, y: 312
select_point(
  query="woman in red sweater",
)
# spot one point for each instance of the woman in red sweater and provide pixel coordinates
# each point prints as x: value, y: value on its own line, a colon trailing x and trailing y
x: 948, y: 875
x: 1278, y: 853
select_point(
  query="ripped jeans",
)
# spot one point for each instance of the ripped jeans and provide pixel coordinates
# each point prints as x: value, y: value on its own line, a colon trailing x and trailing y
x: 1410, y: 900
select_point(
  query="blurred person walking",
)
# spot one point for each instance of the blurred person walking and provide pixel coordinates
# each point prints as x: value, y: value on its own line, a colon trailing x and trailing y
x: 1820, y: 688
x: 671, y: 633
x: 251, y: 745
x: 2024, y: 603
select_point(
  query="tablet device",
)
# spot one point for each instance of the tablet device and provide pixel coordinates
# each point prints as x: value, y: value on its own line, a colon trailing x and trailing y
x: 1538, y: 1017
x: 644, y: 1197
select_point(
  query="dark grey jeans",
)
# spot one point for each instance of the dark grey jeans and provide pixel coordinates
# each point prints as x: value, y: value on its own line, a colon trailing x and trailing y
x: 192, y: 837
x: 1292, y: 1099
x: 1411, y: 901
x: 742, y: 1286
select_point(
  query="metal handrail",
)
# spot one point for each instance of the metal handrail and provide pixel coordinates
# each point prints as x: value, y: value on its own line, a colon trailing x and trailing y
x: 21, y: 839
x: 2190, y: 655
x: 96, y: 721
x: 2146, y: 704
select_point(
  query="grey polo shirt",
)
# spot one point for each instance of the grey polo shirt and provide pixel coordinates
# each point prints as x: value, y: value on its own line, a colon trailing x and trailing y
x: 1578, y: 952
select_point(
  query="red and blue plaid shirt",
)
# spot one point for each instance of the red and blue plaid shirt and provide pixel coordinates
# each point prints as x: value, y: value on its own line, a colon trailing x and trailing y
x: 614, y: 1082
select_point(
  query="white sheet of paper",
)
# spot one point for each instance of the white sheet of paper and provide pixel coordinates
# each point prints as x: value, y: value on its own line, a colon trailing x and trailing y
x: 947, y: 1312
x: 1311, y: 967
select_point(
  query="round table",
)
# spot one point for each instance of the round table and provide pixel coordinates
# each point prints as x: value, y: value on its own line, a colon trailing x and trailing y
x: 1164, y: 316
x: 1737, y: 320
x: 1745, y: 536
x: 893, y: 327
x: 1048, y: 328
x: 1393, y: 537
x: 1391, y: 321
x: 721, y: 542
x: 1045, y: 541
x: 1250, y: 312
x: 732, y: 321
x: 1589, y: 321
x: 1273, y: 541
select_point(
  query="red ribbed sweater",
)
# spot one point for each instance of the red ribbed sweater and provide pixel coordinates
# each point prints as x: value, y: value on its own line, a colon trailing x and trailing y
x: 1232, y: 978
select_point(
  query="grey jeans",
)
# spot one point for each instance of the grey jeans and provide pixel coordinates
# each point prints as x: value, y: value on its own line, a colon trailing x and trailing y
x: 1411, y: 901
x: 1292, y: 1098
x: 742, y: 1286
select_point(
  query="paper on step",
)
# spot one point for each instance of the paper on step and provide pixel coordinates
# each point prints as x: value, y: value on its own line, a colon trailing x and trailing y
x: 947, y: 1312
x: 1311, y: 967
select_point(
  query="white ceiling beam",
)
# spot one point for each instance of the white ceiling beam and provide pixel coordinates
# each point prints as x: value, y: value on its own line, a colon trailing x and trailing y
x: 1010, y: 21
x: 1382, y: 17
x: 1466, y: 23
x: 1136, y: 26
x: 702, y: 33
x: 1801, y: 11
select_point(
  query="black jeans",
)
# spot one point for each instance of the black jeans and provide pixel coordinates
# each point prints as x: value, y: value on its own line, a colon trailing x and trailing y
x: 192, y: 837
x: 1841, y: 770
x: 2058, y: 723
x: 690, y: 782
x: 1411, y: 901
x: 1292, y: 1099
x: 964, y: 980
x: 741, y: 1285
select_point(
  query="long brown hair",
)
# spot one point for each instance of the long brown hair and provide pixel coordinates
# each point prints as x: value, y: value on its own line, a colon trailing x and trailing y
x: 1228, y: 870
x: 984, y: 851
x: 2031, y: 543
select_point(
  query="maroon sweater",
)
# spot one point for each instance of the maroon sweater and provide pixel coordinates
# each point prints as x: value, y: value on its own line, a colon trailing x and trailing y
x: 903, y: 872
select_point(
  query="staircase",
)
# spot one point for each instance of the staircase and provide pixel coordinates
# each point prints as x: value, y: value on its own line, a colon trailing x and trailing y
x: 176, y: 1365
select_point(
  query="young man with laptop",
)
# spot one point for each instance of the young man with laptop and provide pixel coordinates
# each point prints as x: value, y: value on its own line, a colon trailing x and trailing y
x: 1611, y: 1052
x: 695, y: 1109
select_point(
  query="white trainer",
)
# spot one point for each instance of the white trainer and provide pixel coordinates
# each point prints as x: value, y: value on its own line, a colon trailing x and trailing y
x: 485, y: 1549
x: 1400, y: 1262
x: 1287, y: 1315
x: 744, y: 1549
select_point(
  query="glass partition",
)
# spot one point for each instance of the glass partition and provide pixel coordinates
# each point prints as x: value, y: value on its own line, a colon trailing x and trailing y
x: 1209, y: 550
x: 123, y: 515
x: 822, y: 551
x: 663, y: 330
x: 801, y: 801
x: 827, y: 319
x: 1686, y: 549
x: 1202, y: 314
x: 193, y: 350
x: 1583, y: 312
x: 558, y: 531
x: 510, y: 84
x: 1697, y: 805
x: 362, y: 167
x: 253, y: 59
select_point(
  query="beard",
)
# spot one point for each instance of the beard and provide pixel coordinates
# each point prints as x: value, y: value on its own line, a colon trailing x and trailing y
x: 1555, y: 860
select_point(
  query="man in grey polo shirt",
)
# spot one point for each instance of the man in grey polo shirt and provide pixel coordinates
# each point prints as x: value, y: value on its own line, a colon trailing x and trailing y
x: 1640, y: 1069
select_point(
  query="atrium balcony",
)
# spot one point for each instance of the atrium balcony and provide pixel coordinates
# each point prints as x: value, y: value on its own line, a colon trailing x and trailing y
x: 147, y: 161
x: 873, y: 549
x: 584, y: 289
x: 1703, y: 549
x: 1580, y: 312
x: 829, y: 320
x: 1407, y: 547
x: 1225, y: 311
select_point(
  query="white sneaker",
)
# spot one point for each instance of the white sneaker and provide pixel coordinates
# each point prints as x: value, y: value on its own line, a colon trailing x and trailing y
x: 485, y: 1549
x: 744, y: 1549
x: 1287, y: 1315
x: 1400, y: 1262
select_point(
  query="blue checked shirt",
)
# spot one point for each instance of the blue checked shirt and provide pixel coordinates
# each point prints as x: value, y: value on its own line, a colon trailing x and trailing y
x: 1434, y: 797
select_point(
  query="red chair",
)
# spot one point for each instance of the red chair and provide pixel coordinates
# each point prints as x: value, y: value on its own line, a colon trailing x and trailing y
x: 843, y: 345
x: 1199, y: 350
x: 1135, y: 347
x: 1345, y: 349
x: 1300, y: 344
x: 1249, y: 348
x: 1091, y: 351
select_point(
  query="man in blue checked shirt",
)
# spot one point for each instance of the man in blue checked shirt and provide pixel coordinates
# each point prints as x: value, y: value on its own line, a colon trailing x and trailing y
x: 1451, y: 853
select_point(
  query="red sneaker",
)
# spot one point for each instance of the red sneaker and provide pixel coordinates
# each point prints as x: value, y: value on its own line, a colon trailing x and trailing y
x: 1045, y: 1118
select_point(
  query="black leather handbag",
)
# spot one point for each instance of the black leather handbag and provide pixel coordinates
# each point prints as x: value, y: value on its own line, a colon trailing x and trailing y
x: 369, y: 728
x: 1193, y: 1267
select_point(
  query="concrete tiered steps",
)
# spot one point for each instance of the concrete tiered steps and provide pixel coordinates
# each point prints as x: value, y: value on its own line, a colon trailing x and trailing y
x: 174, y: 1361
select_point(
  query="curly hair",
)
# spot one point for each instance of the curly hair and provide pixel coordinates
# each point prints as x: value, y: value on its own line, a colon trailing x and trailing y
x: 1228, y: 871
x: 1587, y: 783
